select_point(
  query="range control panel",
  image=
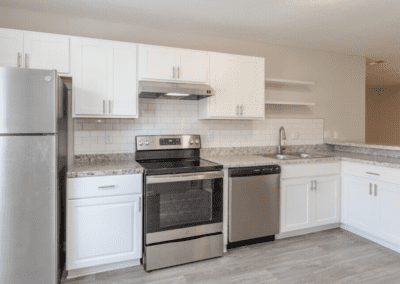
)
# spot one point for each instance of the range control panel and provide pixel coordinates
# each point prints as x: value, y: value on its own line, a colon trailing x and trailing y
x: 170, y: 141
x: 167, y: 142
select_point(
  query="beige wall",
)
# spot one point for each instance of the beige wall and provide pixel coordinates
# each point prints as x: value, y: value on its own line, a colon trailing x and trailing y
x: 339, y: 90
x: 383, y: 115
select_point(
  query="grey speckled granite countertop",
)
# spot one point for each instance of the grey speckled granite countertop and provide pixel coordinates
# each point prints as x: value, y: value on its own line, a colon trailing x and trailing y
x: 363, y: 145
x: 257, y: 160
x: 104, y: 168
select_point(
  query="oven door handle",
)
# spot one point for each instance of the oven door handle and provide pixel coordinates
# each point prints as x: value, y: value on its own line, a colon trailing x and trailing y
x: 184, y: 177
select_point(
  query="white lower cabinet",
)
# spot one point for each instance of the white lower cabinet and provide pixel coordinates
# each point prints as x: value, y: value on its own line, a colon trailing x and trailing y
x: 309, y: 202
x: 372, y: 206
x: 104, y: 230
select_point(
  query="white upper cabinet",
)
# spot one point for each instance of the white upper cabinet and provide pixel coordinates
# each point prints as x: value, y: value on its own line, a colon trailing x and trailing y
x: 47, y: 51
x: 173, y: 65
x: 238, y: 83
x: 34, y: 50
x: 11, y: 48
x: 104, y: 79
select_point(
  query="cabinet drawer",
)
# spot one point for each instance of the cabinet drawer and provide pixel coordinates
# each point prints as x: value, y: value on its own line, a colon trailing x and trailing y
x: 104, y: 186
x: 371, y: 172
x: 312, y: 169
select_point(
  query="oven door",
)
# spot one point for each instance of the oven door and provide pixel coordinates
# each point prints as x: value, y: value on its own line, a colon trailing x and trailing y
x: 183, y: 206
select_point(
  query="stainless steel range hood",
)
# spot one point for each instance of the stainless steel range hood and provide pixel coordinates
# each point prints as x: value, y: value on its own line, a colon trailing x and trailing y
x: 174, y: 91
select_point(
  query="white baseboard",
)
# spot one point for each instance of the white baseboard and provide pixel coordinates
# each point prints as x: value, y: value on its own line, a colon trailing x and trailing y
x: 371, y: 237
x: 306, y: 231
x: 101, y: 268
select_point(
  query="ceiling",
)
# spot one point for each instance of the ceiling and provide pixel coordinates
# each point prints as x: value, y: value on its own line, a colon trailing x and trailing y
x: 362, y: 27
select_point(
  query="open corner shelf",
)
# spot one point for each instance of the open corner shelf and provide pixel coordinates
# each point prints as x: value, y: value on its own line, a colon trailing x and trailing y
x: 289, y: 103
x: 288, y: 82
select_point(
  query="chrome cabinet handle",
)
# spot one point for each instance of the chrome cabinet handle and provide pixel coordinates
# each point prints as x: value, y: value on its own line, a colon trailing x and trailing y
x: 372, y: 173
x: 110, y: 109
x: 237, y: 109
x: 104, y: 106
x: 312, y: 187
x: 179, y: 68
x: 173, y: 72
x: 370, y: 188
x: 241, y: 109
x: 376, y: 190
x: 26, y: 60
x: 315, y: 185
x: 19, y: 59
x: 140, y: 204
x: 107, y: 186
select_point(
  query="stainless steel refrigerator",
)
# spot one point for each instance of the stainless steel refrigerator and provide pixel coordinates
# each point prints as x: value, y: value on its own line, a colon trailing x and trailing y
x: 31, y: 171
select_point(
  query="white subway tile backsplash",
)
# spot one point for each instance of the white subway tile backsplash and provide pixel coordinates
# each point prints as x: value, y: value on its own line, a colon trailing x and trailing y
x: 168, y: 117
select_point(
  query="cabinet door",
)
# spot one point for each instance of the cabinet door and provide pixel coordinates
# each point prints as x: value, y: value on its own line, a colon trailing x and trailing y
x: 224, y: 79
x: 157, y: 63
x: 193, y: 66
x: 327, y: 200
x: 296, y: 204
x: 92, y: 81
x: 251, y: 87
x: 388, y: 211
x: 11, y: 48
x: 358, y: 204
x: 124, y: 99
x: 103, y: 230
x: 47, y: 51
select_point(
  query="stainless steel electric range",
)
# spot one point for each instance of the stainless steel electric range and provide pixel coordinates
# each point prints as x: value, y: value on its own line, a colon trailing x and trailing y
x: 183, y: 201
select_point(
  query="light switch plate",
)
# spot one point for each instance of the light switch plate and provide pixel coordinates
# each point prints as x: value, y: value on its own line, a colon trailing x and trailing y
x: 327, y: 134
x: 335, y: 135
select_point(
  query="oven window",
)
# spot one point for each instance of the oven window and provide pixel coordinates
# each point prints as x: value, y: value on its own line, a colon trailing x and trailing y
x: 183, y: 204
x: 192, y: 202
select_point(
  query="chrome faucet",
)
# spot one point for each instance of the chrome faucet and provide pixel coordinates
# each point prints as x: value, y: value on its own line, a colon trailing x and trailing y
x: 282, y: 136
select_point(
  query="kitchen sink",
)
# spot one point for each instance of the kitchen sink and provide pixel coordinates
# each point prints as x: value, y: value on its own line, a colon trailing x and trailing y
x: 282, y: 157
x: 295, y: 156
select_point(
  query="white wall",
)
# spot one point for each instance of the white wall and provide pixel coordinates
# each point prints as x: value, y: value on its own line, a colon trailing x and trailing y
x: 339, y: 90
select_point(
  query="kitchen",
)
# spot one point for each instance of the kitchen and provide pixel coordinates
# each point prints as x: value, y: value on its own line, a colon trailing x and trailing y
x: 125, y: 135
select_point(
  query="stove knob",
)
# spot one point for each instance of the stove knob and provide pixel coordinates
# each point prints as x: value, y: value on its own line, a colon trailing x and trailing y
x: 147, y: 143
x: 197, y: 141
x: 140, y: 143
x: 191, y: 142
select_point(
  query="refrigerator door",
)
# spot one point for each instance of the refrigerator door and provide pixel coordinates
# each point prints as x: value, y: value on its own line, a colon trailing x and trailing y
x: 28, y: 195
x: 27, y: 101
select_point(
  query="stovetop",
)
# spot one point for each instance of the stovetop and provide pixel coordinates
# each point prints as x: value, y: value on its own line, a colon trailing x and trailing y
x: 178, y: 166
x: 172, y: 154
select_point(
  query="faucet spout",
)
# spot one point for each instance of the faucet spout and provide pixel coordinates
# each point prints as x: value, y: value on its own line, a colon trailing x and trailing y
x: 282, y: 136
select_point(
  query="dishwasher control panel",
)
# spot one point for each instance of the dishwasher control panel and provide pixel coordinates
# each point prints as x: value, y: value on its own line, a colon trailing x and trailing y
x: 254, y: 171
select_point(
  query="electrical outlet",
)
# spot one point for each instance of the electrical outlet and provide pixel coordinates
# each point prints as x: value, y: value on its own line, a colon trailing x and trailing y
x: 336, y: 135
x: 327, y: 134
x: 295, y: 135
x: 108, y: 139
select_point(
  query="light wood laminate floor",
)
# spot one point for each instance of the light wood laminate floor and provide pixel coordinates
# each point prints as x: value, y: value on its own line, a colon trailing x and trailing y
x: 334, y: 256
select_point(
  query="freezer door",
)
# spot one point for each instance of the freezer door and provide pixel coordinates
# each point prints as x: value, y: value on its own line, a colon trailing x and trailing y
x: 27, y: 101
x: 28, y: 195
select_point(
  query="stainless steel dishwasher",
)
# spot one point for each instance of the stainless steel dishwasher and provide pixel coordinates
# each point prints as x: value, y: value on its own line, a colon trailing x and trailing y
x: 254, y: 197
